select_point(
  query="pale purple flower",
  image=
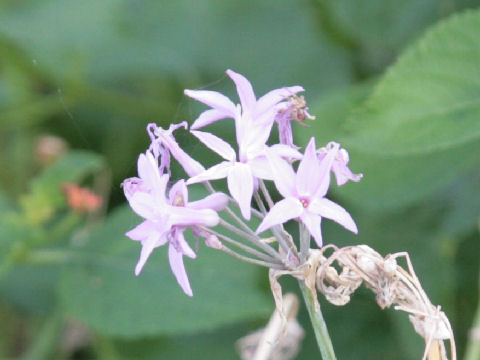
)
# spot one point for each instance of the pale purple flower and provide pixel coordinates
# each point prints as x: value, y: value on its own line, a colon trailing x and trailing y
x: 261, y: 110
x: 340, y: 162
x: 253, y: 123
x: 304, y: 193
x: 167, y: 218
x: 241, y: 175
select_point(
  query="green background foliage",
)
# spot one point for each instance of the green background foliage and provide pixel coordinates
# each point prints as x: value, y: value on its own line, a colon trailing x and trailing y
x: 396, y: 82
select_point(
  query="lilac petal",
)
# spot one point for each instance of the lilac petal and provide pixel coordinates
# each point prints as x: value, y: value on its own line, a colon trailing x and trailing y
x: 275, y: 96
x: 240, y: 185
x: 286, y: 151
x: 141, y: 231
x: 147, y: 247
x: 213, y: 99
x: 312, y: 222
x: 341, y: 170
x: 260, y: 168
x: 282, y: 173
x: 244, y: 90
x: 217, y: 201
x: 256, y: 135
x: 184, y: 216
x: 285, y: 132
x: 326, y: 164
x: 309, y: 175
x: 148, y: 170
x: 343, y: 174
x: 208, y: 117
x: 178, y: 269
x: 143, y: 204
x: 218, y: 171
x: 184, y: 246
x: 216, y: 144
x: 281, y: 212
x: 178, y: 192
x: 333, y: 211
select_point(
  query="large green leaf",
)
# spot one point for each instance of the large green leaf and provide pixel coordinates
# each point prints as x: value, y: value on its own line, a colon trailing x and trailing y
x: 103, y: 291
x: 429, y: 100
x: 389, y: 181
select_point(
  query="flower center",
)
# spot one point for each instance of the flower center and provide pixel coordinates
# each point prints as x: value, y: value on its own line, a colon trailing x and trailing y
x: 178, y: 200
x: 304, y: 202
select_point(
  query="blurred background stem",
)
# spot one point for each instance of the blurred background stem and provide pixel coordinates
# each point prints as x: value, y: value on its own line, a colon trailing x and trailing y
x: 473, y: 345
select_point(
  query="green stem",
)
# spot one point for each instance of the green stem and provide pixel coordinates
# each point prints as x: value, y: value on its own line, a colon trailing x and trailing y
x: 318, y: 324
x: 473, y: 345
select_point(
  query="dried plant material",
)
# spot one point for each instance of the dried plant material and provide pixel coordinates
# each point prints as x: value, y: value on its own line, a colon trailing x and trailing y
x: 392, y: 284
x: 275, y: 341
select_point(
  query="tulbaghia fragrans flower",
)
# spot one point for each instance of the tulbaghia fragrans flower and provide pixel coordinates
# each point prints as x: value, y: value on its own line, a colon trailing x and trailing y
x: 340, y: 162
x: 253, y: 123
x: 304, y: 193
x: 166, y: 218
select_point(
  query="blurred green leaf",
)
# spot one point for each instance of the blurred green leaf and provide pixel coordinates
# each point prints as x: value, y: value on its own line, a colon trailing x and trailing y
x: 389, y: 181
x: 31, y: 288
x: 429, y: 100
x: 104, y: 293
x: 218, y: 344
x: 111, y: 39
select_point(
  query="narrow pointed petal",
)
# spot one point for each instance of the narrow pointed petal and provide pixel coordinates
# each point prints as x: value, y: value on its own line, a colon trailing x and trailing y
x: 143, y: 204
x: 326, y: 164
x: 217, y: 201
x: 240, y: 185
x: 286, y: 151
x: 216, y: 172
x: 213, y: 99
x: 261, y: 168
x: 178, y: 268
x: 283, y: 174
x: 309, y: 175
x: 281, y: 212
x: 244, y: 90
x: 184, y: 216
x: 148, y: 170
x: 216, y: 144
x: 141, y: 231
x: 253, y: 143
x: 208, y: 117
x: 147, y: 247
x: 273, y: 97
x: 312, y: 222
x: 333, y: 211
x: 184, y: 247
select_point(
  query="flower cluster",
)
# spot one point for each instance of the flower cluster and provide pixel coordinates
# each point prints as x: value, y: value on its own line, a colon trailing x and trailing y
x: 166, y: 217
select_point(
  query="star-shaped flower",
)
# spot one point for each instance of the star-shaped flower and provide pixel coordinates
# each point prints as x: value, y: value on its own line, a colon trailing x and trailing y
x: 304, y: 193
x: 167, y: 218
x: 253, y: 122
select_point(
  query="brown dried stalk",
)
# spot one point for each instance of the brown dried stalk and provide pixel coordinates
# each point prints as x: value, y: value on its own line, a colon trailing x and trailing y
x: 391, y: 283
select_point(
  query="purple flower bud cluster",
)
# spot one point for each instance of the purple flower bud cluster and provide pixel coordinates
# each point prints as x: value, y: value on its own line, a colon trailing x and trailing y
x: 167, y: 213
